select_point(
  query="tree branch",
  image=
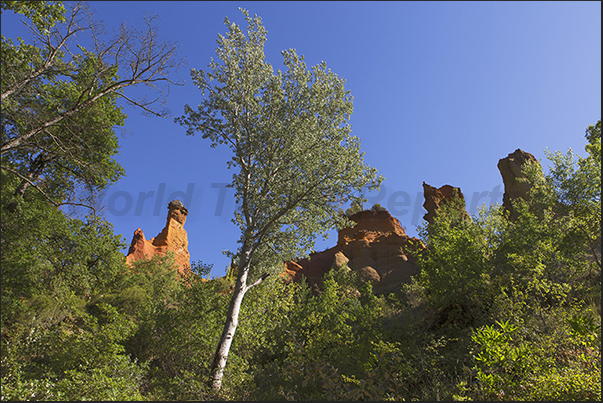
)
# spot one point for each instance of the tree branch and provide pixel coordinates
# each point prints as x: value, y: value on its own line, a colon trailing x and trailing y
x: 32, y: 184
x: 49, y: 59
x: 258, y: 281
x: 44, y: 194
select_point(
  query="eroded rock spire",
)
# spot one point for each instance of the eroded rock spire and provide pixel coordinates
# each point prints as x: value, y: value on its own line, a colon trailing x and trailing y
x: 172, y: 238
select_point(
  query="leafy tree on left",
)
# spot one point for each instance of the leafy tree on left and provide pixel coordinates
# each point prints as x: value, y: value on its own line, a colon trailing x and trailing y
x: 60, y: 95
x: 69, y: 302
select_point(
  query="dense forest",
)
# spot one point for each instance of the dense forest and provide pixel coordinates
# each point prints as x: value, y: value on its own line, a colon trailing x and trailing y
x: 504, y: 308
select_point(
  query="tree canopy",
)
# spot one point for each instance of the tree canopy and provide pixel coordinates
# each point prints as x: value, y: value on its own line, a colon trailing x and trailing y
x: 291, y: 143
x: 60, y: 93
x: 295, y: 157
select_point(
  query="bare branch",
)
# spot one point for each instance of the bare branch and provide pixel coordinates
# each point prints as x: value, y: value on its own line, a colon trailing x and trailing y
x: 50, y: 59
x: 258, y: 281
x: 140, y: 105
x: 17, y: 141
x: 129, y: 48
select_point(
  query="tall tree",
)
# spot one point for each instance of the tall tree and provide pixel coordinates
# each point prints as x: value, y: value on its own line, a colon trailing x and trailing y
x: 60, y: 93
x: 60, y: 90
x: 296, y: 160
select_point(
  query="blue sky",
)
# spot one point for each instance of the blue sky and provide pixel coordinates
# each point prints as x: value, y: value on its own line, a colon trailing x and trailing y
x: 442, y: 91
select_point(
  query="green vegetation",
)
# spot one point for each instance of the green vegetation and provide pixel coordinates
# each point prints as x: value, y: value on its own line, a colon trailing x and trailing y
x: 283, y: 130
x: 502, y: 309
x: 59, y: 106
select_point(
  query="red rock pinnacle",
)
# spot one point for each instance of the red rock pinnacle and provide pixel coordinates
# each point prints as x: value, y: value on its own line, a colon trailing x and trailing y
x: 172, y: 238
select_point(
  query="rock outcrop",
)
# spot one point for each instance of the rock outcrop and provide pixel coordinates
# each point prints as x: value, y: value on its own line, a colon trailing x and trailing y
x: 376, y: 247
x: 435, y: 198
x: 172, y: 238
x: 511, y: 169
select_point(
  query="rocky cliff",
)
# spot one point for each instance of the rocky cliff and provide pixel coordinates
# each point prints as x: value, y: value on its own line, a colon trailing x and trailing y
x: 376, y: 247
x: 172, y: 238
x: 511, y: 170
x: 435, y: 198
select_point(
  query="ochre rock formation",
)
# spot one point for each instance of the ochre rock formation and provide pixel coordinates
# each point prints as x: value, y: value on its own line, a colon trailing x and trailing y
x: 510, y: 169
x: 172, y: 238
x: 376, y: 247
x: 435, y: 198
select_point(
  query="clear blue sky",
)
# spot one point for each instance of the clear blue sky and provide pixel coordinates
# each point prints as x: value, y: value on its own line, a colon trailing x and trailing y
x: 442, y: 91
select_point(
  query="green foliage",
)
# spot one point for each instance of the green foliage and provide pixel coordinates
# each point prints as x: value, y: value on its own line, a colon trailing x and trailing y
x: 55, y: 256
x: 457, y: 266
x: 575, y: 182
x: 502, y: 310
x: 43, y: 14
x: 72, y: 154
x: 54, y: 346
x: 283, y: 129
x: 80, y: 357
x: 593, y: 135
x: 201, y: 269
x: 176, y: 338
x: 514, y: 366
x: 356, y: 206
x: 321, y: 339
x: 525, y: 289
x: 60, y: 95
x: 71, y: 307
x: 378, y: 208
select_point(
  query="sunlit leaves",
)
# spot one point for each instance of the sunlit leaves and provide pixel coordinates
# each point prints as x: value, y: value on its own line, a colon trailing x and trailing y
x: 290, y: 138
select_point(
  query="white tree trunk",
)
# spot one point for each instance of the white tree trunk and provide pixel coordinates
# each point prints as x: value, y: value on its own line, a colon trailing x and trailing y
x: 230, y: 326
